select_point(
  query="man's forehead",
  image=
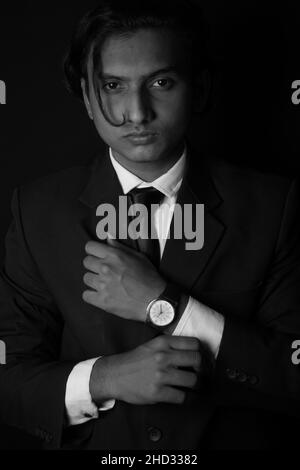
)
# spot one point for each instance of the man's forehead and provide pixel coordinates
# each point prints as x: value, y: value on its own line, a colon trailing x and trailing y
x: 140, y: 54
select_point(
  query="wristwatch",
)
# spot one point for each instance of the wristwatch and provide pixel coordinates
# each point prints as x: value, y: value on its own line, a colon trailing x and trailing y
x: 161, y: 312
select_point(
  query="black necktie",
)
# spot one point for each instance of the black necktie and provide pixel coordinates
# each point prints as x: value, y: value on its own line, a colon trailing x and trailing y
x: 148, y: 196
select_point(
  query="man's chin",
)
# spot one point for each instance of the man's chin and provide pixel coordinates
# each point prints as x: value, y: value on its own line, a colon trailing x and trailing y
x: 141, y: 154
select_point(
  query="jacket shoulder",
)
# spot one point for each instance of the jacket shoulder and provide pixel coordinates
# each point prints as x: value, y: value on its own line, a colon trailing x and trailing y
x: 250, y: 182
x: 58, y: 186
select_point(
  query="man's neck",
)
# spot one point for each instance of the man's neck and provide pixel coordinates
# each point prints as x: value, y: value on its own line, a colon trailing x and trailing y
x: 149, y: 171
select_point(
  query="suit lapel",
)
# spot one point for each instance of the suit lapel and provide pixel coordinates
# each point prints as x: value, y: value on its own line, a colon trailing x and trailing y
x: 103, y: 184
x: 179, y: 264
x: 103, y: 188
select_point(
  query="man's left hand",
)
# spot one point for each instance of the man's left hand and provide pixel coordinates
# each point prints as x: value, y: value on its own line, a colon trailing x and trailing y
x: 123, y: 280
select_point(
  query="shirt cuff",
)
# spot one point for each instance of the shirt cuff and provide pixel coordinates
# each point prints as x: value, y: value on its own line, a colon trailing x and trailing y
x: 78, y: 401
x: 202, y: 322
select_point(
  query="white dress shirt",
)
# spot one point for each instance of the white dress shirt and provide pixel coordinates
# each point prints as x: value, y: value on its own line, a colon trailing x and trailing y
x: 197, y: 320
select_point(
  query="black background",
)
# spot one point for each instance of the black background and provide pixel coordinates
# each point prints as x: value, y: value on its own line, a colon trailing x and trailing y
x: 256, y: 49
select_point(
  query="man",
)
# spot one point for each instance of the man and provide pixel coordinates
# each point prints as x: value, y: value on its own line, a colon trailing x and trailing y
x: 151, y: 345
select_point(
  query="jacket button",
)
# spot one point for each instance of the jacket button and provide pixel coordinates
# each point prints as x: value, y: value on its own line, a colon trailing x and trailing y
x: 154, y: 434
x: 231, y: 374
x: 242, y: 377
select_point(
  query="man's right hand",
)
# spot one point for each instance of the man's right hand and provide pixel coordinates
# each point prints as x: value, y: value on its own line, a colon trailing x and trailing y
x: 149, y: 373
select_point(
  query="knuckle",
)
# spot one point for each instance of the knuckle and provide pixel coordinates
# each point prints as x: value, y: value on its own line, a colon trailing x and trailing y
x: 159, y: 375
x: 160, y: 357
x: 105, y: 269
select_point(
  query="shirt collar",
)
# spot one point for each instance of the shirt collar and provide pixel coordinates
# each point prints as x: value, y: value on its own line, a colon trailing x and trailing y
x: 168, y: 183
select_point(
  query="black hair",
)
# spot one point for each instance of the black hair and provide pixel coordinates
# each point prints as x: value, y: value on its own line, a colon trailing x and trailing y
x: 119, y: 17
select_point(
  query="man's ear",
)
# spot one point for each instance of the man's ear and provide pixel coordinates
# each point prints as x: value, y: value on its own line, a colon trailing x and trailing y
x: 202, y: 91
x: 86, y: 98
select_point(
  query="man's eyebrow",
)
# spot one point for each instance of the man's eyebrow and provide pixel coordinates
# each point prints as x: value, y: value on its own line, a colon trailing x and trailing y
x: 172, y: 69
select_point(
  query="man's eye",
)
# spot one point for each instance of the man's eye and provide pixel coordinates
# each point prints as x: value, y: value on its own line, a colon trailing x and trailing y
x: 110, y: 86
x: 164, y: 83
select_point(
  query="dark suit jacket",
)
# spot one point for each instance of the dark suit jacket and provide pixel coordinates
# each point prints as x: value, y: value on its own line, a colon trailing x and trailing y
x: 248, y: 270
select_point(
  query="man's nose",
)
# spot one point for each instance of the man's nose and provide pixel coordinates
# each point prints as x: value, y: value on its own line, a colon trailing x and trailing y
x: 139, y: 109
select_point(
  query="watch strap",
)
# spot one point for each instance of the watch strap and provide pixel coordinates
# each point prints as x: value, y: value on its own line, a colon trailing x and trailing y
x: 172, y: 294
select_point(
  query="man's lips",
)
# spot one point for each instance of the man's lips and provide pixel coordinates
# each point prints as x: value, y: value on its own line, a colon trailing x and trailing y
x: 140, y: 134
x: 140, y: 138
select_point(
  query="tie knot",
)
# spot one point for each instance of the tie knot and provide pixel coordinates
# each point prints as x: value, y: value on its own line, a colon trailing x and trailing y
x: 146, y: 196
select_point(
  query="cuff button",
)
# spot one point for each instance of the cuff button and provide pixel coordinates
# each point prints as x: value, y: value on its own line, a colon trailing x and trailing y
x: 231, y: 374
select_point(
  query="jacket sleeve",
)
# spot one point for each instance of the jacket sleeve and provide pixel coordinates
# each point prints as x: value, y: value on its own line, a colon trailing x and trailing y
x: 254, y: 367
x: 33, y: 380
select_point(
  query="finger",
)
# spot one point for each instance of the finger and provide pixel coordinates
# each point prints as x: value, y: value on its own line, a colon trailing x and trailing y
x: 96, y: 266
x: 183, y: 342
x: 93, y: 281
x: 100, y: 250
x: 186, y: 359
x: 90, y: 297
x: 172, y: 395
x: 181, y: 378
x: 92, y: 264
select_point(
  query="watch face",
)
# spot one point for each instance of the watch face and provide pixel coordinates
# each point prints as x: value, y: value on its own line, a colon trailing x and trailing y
x: 161, y: 312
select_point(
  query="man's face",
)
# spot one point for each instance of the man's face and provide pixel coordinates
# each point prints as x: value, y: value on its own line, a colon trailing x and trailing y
x: 144, y: 79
